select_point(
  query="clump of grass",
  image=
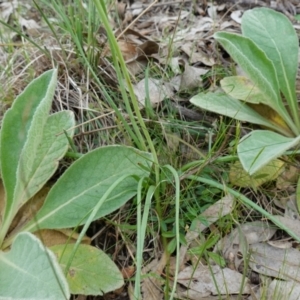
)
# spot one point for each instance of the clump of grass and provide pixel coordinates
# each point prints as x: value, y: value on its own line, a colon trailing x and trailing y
x: 92, y: 85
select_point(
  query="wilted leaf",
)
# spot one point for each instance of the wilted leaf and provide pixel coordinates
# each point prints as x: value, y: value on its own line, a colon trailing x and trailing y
x: 287, y: 180
x: 51, y: 237
x: 240, y: 87
x: 92, y: 272
x: 271, y: 115
x: 238, y: 176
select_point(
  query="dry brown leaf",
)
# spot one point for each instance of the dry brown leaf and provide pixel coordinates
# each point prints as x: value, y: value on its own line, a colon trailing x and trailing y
x: 275, y: 262
x: 191, y: 77
x: 128, y: 272
x: 236, y: 16
x: 51, y: 237
x: 152, y: 285
x: 288, y: 178
x: 292, y: 224
x: 205, y: 281
x: 216, y: 211
x: 240, y: 238
x: 6, y: 9
x: 284, y: 290
x: 144, y: 51
x: 29, y: 209
x: 121, y: 9
x: 128, y: 50
x: 283, y: 244
x: 158, y: 91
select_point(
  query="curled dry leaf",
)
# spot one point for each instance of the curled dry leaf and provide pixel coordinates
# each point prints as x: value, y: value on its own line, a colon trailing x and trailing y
x: 239, y: 177
x: 237, y: 16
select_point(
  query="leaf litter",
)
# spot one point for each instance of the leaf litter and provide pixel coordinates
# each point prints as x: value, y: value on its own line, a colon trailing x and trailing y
x: 256, y: 247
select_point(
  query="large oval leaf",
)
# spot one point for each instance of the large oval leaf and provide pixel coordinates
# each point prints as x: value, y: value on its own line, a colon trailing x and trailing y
x: 30, y: 271
x: 225, y: 105
x: 21, y: 134
x: 52, y: 148
x: 275, y: 35
x: 92, y: 272
x: 258, y: 67
x: 259, y: 147
x: 80, y: 188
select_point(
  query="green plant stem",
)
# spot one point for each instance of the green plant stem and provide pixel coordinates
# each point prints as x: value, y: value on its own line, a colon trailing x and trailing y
x: 141, y: 232
x: 119, y: 60
x: 177, y: 205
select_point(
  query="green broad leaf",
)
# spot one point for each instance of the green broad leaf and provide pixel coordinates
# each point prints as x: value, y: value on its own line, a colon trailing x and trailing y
x: 79, y: 189
x: 239, y: 177
x: 31, y: 271
x: 52, y: 148
x: 256, y: 65
x: 276, y: 36
x: 92, y: 272
x: 241, y: 88
x: 225, y: 105
x: 21, y: 134
x: 259, y: 147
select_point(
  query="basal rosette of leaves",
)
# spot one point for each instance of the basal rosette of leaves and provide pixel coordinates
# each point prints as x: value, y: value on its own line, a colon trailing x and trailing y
x: 267, y: 52
x: 99, y: 182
